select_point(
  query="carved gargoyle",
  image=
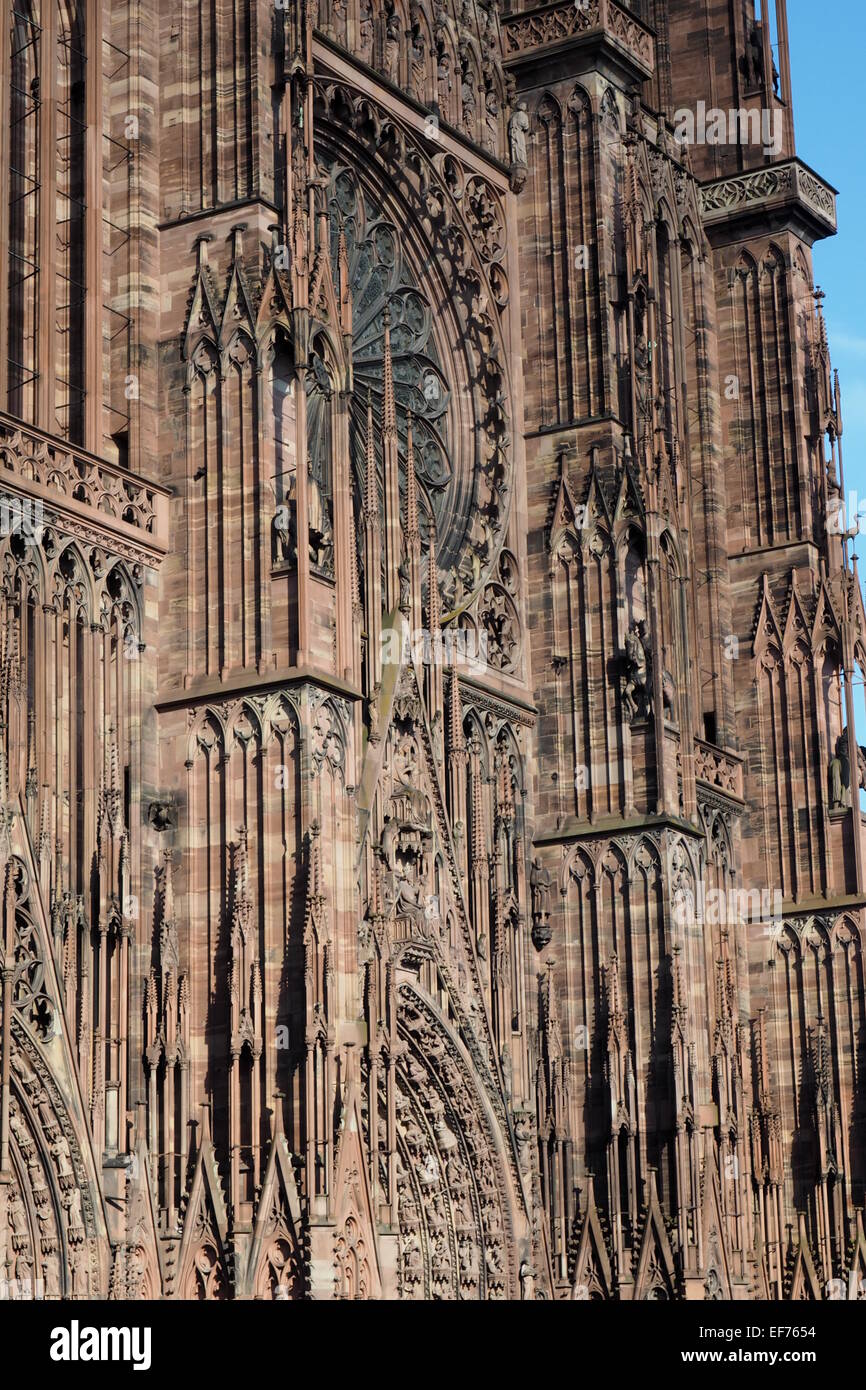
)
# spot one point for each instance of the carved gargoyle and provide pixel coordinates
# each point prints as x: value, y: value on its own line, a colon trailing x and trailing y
x: 162, y: 815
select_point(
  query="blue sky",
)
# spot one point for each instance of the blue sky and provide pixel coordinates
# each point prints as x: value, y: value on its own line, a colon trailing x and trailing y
x: 828, y: 44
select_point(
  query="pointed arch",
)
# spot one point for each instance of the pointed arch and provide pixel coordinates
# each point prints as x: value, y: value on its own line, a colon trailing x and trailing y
x: 203, y: 1265
x: 275, y: 1268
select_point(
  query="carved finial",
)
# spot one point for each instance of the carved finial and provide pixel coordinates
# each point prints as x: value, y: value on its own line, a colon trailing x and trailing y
x: 278, y: 1098
x: 242, y: 908
x: 479, y: 839
x: 237, y: 235
x: 434, y: 606
x: 390, y: 416
x: 412, y: 530
x: 201, y: 245
x: 371, y: 488
x: 167, y: 886
x: 456, y: 742
x: 313, y: 915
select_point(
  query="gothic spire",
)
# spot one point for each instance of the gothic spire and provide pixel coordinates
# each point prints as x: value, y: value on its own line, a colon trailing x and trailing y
x: 371, y: 487
x: 372, y: 560
x: 390, y: 408
x: 456, y: 740
x: 393, y: 520
x: 413, y: 533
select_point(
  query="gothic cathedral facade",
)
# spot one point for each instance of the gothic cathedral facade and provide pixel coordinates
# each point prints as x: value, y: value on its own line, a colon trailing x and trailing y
x: 431, y: 833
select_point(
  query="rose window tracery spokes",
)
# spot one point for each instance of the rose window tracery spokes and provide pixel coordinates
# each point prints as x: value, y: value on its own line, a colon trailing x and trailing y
x: 381, y: 278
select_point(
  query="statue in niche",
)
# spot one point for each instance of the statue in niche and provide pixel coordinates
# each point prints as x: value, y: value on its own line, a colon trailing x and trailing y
x: 636, y: 695
x: 467, y: 99
x: 843, y: 771
x: 539, y: 882
x: 403, y: 576
x: 539, y: 887
x: 491, y: 121
x: 365, y: 27
x: 507, y: 1073
x: 642, y: 360
x: 840, y: 774
x: 518, y: 129
x: 392, y: 48
x: 373, y: 713
x: 419, y: 64
x: 321, y: 535
x: 436, y: 732
x: 285, y: 528
x: 443, y: 84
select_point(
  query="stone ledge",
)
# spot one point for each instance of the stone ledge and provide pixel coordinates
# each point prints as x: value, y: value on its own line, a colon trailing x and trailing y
x: 778, y: 187
x: 112, y: 497
x: 561, y: 24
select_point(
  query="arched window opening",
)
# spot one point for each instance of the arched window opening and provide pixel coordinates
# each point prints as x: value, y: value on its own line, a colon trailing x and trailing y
x: 24, y: 115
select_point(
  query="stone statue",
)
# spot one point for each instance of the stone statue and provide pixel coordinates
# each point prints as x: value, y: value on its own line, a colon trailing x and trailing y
x: 365, y: 27
x: 491, y: 121
x: 507, y: 1073
x: 284, y: 527
x: 373, y: 713
x: 841, y: 754
x: 539, y: 882
x: 636, y: 695
x: 467, y: 101
x: 840, y: 774
x: 419, y: 64
x: 443, y: 85
x: 518, y: 128
x: 436, y: 731
x: 539, y: 886
x: 321, y: 538
x: 392, y: 49
x: 403, y: 576
x: 642, y: 372
x: 523, y: 1135
x: 63, y: 1159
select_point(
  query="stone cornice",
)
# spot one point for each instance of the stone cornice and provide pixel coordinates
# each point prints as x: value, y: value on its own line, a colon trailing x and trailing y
x: 479, y: 696
x: 789, y: 187
x: 573, y: 831
x: 207, y: 689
